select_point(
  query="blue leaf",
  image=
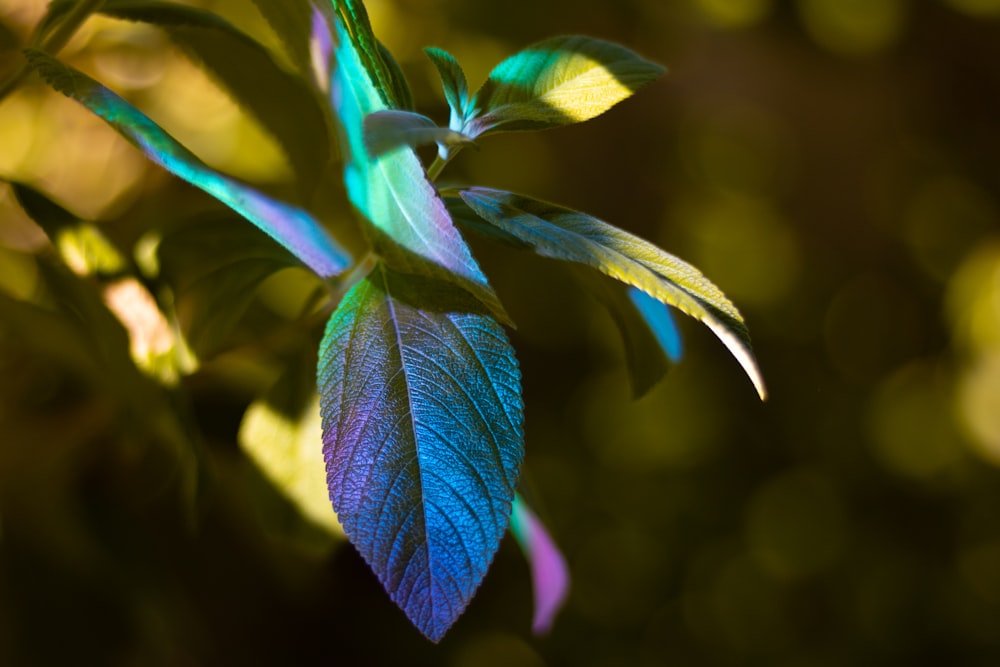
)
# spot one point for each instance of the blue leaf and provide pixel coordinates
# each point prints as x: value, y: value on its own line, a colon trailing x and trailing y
x: 660, y: 321
x: 292, y: 227
x: 423, y: 439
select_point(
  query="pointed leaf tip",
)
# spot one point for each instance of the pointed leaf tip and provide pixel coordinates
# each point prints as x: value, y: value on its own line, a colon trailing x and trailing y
x: 422, y: 436
x: 564, y: 234
x: 549, y: 573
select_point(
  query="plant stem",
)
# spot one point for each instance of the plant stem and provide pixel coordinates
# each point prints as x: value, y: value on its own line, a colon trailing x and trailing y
x: 434, y: 170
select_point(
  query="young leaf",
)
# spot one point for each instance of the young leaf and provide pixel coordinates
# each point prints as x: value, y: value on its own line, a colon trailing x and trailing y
x: 456, y: 88
x: 549, y: 573
x: 285, y: 107
x: 423, y: 438
x: 661, y: 322
x: 555, y: 82
x: 564, y: 234
x: 385, y: 131
x: 409, y: 224
x: 292, y: 227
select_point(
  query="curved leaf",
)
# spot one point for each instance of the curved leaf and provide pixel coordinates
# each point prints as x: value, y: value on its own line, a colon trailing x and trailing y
x: 555, y: 82
x: 568, y: 235
x: 409, y: 224
x: 292, y: 227
x: 387, y: 130
x: 456, y: 87
x: 423, y: 438
x: 284, y: 105
x: 549, y: 573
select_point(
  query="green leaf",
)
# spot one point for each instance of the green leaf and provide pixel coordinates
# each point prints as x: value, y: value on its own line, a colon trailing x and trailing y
x: 387, y: 130
x: 281, y: 433
x: 292, y: 227
x: 561, y: 233
x: 423, y: 437
x: 404, y: 215
x: 555, y: 82
x: 285, y: 106
x: 456, y: 87
x: 213, y: 266
x: 292, y: 21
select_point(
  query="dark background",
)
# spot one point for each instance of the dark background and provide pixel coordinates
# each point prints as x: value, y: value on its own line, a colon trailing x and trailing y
x: 833, y: 165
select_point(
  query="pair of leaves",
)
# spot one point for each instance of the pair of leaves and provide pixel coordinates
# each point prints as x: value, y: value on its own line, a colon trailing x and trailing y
x: 555, y: 82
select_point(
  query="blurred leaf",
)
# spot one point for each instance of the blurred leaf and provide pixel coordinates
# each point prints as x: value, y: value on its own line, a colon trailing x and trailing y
x: 387, y: 130
x: 81, y: 333
x: 549, y: 572
x: 292, y: 227
x: 406, y: 217
x: 214, y: 266
x: 283, y: 104
x: 422, y: 433
x: 556, y: 82
x: 292, y: 21
x: 647, y: 356
x: 568, y: 235
x: 49, y: 215
x: 282, y: 435
x: 456, y: 87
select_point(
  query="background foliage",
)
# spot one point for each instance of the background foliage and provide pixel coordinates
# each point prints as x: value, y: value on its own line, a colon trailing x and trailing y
x: 831, y: 165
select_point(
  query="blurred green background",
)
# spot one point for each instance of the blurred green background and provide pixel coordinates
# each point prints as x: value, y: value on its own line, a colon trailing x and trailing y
x: 833, y: 165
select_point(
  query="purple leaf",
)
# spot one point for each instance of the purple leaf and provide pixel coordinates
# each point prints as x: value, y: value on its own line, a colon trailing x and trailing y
x: 549, y: 574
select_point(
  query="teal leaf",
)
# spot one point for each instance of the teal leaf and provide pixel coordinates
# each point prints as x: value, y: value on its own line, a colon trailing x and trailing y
x: 387, y: 130
x: 403, y: 213
x: 660, y: 321
x: 423, y: 438
x: 292, y: 227
x: 284, y: 104
x: 556, y: 82
x: 549, y: 573
x: 456, y: 87
x: 560, y: 233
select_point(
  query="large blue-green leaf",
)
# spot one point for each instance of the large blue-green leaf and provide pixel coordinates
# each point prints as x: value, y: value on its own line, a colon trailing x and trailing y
x: 556, y: 82
x: 422, y: 433
x: 409, y: 224
x: 560, y: 233
x: 292, y: 227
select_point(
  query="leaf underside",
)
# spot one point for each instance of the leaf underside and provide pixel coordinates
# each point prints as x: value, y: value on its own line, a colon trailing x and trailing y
x: 422, y: 436
x: 560, y: 233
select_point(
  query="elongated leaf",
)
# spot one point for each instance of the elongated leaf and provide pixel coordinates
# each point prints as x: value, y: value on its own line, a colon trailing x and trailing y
x: 564, y: 234
x: 661, y: 323
x: 284, y: 104
x: 549, y: 573
x: 385, y: 131
x: 409, y: 224
x: 292, y: 227
x: 456, y: 87
x: 422, y: 433
x: 556, y: 82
